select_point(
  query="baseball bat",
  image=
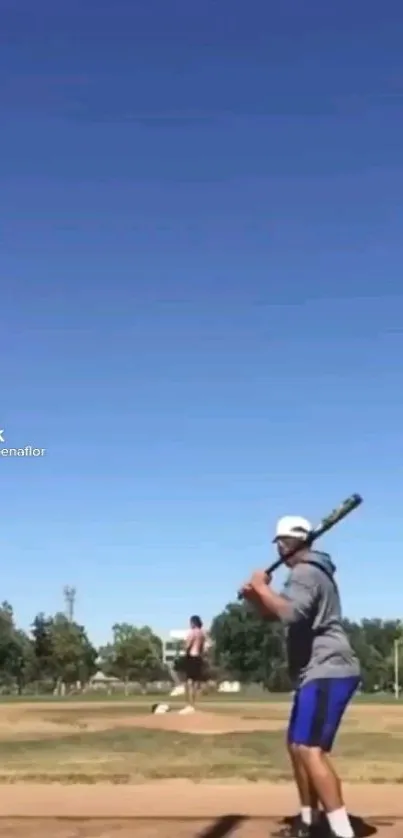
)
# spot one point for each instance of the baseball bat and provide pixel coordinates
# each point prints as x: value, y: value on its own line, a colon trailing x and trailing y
x: 325, y: 525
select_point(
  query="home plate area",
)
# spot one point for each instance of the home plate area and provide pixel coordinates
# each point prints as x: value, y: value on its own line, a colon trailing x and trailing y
x: 228, y: 825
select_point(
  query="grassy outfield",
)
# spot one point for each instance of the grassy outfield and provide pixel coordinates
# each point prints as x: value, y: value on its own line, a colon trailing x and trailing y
x: 135, y: 756
x: 87, y: 742
x: 224, y: 698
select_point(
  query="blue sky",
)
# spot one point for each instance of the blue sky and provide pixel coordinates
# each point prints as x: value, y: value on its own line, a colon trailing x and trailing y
x: 201, y: 298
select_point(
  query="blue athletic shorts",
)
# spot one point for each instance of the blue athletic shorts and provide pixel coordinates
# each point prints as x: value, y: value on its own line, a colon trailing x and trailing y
x: 317, y: 711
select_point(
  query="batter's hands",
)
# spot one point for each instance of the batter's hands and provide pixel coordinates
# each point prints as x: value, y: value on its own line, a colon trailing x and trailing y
x: 246, y: 591
x: 258, y: 579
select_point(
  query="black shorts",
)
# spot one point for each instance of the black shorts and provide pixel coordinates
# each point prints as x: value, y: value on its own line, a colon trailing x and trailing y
x: 193, y: 667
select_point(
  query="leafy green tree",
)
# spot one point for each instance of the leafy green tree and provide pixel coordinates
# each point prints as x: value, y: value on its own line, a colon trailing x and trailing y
x: 63, y: 652
x: 73, y: 655
x: 135, y: 654
x: 41, y: 630
x: 23, y: 660
x: 250, y: 649
x: 16, y: 652
x: 247, y: 647
x: 373, y: 643
x: 381, y: 634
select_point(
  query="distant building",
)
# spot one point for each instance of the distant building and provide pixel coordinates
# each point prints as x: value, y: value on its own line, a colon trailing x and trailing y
x: 174, y: 645
x: 100, y: 681
x: 229, y: 687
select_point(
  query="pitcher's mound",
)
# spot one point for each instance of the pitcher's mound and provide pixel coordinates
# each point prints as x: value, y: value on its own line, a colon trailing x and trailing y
x: 203, y: 723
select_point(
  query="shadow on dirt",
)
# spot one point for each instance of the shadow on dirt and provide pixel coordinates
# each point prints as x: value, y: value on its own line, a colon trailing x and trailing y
x: 361, y: 827
x: 226, y: 825
x: 222, y: 827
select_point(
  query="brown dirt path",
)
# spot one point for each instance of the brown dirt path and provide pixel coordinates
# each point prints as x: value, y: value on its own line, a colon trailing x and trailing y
x: 177, y: 809
x: 181, y: 798
x: 256, y: 828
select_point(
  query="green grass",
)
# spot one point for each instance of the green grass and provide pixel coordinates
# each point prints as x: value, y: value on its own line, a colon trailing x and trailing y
x: 369, y: 749
x: 213, y: 698
x: 135, y: 755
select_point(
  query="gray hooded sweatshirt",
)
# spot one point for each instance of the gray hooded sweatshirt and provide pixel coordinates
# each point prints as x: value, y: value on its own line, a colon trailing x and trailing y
x: 317, y: 645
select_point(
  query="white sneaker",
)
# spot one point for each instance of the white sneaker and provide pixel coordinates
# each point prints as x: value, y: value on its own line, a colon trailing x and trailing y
x: 186, y: 710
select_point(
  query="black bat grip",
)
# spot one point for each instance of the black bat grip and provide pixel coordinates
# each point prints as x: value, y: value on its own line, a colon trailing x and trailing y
x: 273, y: 567
x: 327, y: 523
x: 269, y: 571
x: 282, y: 559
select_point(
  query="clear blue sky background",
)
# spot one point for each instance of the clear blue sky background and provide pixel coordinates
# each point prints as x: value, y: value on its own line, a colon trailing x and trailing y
x: 201, y: 298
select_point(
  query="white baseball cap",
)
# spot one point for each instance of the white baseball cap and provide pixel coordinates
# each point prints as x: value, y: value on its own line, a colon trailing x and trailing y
x: 293, y: 526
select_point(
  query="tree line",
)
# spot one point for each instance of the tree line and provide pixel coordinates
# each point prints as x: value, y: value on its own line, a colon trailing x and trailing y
x: 57, y: 651
x: 253, y: 650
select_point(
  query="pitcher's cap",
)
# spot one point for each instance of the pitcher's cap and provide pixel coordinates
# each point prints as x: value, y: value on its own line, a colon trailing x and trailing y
x: 293, y: 526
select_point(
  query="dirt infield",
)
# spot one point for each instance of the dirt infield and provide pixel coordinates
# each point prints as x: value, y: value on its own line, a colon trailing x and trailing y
x: 177, y: 810
x: 203, y: 723
x: 49, y: 720
x: 114, y: 740
x: 123, y: 742
x: 219, y: 828
x: 178, y: 799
